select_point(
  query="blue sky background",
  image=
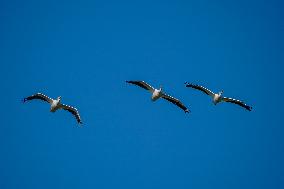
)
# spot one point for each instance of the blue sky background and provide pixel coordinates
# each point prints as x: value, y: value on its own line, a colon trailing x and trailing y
x: 85, y: 50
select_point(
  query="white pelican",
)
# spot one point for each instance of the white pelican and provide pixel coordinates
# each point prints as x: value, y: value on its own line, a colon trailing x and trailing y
x: 55, y: 104
x: 218, y: 97
x: 158, y: 93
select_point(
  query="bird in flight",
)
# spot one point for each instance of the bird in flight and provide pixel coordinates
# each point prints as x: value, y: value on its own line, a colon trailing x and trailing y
x: 217, y: 98
x: 158, y: 93
x: 55, y: 104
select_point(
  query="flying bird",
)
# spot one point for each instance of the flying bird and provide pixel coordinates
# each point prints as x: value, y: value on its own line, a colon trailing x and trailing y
x: 158, y: 93
x: 55, y: 104
x: 217, y: 98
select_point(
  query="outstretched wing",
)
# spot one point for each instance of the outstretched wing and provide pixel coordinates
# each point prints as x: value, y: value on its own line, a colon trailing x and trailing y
x: 238, y: 102
x: 176, y: 102
x: 39, y: 96
x: 201, y: 88
x: 72, y: 110
x: 142, y: 84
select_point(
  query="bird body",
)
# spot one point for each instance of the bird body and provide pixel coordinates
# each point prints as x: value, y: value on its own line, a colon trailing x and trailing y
x: 55, y: 104
x: 217, y: 98
x: 157, y: 94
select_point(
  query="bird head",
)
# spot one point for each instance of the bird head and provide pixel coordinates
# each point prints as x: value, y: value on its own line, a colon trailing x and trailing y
x: 221, y: 92
x: 59, y: 98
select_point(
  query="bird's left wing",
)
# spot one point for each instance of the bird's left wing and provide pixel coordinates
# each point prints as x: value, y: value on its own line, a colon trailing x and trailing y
x: 201, y: 88
x: 39, y: 96
x: 176, y: 102
x: 238, y: 102
x: 143, y: 85
x: 72, y: 110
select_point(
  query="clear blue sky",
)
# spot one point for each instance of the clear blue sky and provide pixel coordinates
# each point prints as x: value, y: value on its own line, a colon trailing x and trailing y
x: 85, y: 50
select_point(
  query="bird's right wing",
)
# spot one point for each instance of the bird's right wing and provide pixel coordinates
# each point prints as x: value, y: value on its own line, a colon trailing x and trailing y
x: 201, y: 88
x: 142, y: 84
x: 39, y: 96
x: 73, y: 111
x: 238, y: 102
x: 176, y: 102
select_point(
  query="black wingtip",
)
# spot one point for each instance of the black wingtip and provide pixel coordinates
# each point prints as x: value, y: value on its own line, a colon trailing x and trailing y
x: 187, y: 111
x: 24, y: 100
x: 187, y: 84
